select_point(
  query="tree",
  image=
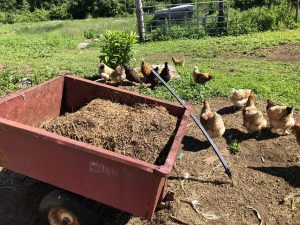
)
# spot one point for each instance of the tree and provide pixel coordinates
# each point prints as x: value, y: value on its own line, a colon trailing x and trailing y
x: 8, y: 5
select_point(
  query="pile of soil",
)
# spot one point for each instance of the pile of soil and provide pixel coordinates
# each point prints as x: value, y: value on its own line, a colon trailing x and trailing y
x: 139, y: 131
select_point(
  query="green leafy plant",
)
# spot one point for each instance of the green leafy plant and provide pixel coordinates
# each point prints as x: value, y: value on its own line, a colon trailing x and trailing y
x: 90, y: 34
x: 234, y: 147
x: 116, y: 47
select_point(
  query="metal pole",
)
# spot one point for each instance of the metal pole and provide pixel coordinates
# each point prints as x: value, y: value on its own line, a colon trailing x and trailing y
x: 297, y: 11
x: 227, y: 169
x: 198, y: 19
x: 227, y: 17
x: 140, y: 19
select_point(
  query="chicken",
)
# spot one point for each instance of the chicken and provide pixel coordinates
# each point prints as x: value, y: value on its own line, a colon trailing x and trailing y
x: 118, y: 75
x: 145, y: 69
x: 199, y: 77
x: 178, y: 62
x: 211, y: 121
x: 280, y: 117
x: 131, y: 74
x: 253, y: 119
x: 165, y: 73
x: 296, y: 131
x: 105, y: 69
x: 105, y: 76
x: 154, y: 81
x: 240, y: 97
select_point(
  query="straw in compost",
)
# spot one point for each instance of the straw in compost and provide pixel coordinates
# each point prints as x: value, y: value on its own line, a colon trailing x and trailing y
x: 139, y: 131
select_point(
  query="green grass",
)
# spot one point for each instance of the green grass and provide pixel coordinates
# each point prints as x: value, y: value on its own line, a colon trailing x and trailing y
x: 41, y: 50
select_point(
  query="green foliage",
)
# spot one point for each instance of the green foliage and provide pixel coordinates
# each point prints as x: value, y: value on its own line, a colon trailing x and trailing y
x: 58, y: 12
x: 261, y: 19
x: 41, y: 50
x: 234, y: 147
x: 106, y: 8
x: 91, y: 34
x: 25, y: 16
x: 116, y: 47
x: 165, y: 33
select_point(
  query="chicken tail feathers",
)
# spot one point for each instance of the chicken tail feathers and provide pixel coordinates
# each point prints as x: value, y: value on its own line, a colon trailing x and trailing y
x: 289, y: 110
x: 270, y: 104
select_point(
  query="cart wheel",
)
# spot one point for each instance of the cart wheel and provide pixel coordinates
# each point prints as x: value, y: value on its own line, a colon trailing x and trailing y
x: 63, y: 208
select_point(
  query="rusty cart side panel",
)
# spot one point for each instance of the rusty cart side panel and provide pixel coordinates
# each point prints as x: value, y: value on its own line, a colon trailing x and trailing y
x: 119, y: 181
x: 52, y: 161
x: 34, y: 105
x: 75, y: 99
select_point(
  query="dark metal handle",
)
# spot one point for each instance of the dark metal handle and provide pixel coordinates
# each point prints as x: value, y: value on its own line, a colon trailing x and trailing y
x: 217, y: 151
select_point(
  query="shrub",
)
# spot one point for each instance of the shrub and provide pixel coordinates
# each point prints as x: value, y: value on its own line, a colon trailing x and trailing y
x: 261, y: 19
x: 165, y: 33
x: 59, y: 12
x: 106, y: 8
x: 90, y: 34
x: 25, y: 16
x: 37, y: 15
x: 116, y: 47
x: 240, y: 23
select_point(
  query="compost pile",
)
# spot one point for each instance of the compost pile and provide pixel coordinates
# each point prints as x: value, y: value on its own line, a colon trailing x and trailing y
x: 139, y: 131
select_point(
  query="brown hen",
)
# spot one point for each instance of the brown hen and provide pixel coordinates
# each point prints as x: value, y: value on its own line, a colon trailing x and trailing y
x: 146, y: 69
x: 280, y: 117
x: 211, y: 121
x: 240, y: 97
x: 253, y: 119
x: 178, y: 62
x: 296, y: 131
x: 201, y: 78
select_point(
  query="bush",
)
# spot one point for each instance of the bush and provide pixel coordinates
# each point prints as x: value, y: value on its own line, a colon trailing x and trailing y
x: 165, y: 33
x: 36, y: 16
x: 106, y: 8
x: 25, y: 16
x: 116, y: 47
x: 59, y: 12
x: 261, y: 19
x: 90, y: 34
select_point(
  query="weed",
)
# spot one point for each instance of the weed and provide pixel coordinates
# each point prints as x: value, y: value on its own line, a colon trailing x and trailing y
x: 90, y: 34
x: 117, y: 47
x: 234, y: 147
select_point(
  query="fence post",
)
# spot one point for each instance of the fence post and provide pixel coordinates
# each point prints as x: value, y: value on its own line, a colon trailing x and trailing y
x: 297, y: 11
x: 140, y: 19
x: 221, y: 15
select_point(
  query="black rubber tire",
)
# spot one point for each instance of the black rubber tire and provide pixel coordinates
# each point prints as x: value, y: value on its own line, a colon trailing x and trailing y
x: 62, y: 200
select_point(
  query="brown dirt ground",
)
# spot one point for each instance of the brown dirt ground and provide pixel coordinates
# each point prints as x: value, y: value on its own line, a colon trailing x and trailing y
x: 262, y: 185
x: 289, y: 52
x: 282, y: 53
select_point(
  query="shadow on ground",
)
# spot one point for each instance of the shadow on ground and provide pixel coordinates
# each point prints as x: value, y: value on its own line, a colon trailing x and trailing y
x: 289, y: 174
x: 192, y: 144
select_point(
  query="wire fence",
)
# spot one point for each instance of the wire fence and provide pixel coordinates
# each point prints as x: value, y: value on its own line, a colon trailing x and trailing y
x: 189, y: 18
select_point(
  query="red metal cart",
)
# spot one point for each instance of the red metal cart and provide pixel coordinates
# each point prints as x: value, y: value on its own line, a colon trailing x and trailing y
x: 119, y: 181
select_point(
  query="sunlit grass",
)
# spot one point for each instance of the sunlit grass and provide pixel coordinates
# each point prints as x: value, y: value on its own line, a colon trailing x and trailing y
x: 41, y: 50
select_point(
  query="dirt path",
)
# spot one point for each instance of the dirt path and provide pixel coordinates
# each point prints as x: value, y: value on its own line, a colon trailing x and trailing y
x: 266, y: 171
x: 287, y: 53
